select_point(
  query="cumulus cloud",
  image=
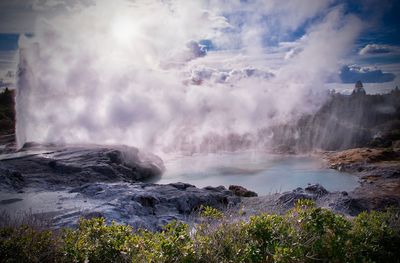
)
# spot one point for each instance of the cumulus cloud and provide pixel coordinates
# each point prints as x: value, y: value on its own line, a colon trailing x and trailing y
x: 136, y: 73
x: 376, y: 49
x: 353, y: 73
x: 205, y: 75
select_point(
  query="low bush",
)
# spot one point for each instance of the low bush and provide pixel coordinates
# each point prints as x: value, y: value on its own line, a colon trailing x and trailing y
x: 304, y: 234
x: 26, y: 244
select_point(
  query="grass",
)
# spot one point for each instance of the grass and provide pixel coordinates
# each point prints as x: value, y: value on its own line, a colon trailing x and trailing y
x: 304, y: 234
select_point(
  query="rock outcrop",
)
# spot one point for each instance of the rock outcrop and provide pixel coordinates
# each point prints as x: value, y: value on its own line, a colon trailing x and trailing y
x: 312, y: 192
x: 66, y: 183
x: 379, y: 173
x: 51, y: 167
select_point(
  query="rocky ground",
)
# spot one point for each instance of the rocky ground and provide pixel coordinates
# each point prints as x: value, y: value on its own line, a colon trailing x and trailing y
x: 66, y: 183
x: 379, y: 173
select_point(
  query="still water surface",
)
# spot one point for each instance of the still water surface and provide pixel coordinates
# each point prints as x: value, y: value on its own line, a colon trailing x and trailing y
x: 261, y: 173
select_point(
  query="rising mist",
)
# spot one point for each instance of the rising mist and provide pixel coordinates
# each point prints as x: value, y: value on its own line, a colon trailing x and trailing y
x: 197, y: 78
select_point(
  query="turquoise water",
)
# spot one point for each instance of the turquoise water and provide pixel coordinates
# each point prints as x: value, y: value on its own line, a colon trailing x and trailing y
x: 261, y: 173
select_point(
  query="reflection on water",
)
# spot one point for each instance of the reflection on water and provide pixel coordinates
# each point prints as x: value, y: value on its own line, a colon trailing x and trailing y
x: 258, y: 172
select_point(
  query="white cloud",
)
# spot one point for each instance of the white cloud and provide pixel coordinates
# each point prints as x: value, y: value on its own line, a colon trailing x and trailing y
x: 374, y: 49
x: 353, y: 73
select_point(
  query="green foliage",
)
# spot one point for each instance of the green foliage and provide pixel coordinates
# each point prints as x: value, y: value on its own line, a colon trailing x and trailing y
x: 376, y: 237
x: 173, y: 244
x: 223, y: 243
x: 94, y: 241
x: 210, y: 212
x: 319, y: 233
x: 304, y: 234
x: 26, y: 244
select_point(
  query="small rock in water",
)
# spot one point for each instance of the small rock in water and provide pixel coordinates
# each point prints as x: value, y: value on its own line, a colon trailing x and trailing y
x: 241, y: 191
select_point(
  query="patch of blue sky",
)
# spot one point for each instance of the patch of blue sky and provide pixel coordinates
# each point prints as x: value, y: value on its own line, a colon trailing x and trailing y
x: 8, y: 42
x: 386, y: 59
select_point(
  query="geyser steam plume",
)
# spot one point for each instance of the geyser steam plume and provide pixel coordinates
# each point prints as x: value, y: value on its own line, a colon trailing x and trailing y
x: 176, y: 75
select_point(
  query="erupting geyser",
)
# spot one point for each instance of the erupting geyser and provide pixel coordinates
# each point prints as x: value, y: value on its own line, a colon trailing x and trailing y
x: 141, y: 73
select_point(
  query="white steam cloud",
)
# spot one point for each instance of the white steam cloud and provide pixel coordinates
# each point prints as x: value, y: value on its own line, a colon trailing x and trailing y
x: 137, y: 73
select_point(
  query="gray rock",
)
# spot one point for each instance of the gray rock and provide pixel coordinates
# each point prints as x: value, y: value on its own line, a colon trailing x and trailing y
x: 241, y: 191
x: 144, y: 205
x: 110, y: 182
x: 11, y: 179
x: 311, y: 192
x: 317, y: 190
x: 57, y: 166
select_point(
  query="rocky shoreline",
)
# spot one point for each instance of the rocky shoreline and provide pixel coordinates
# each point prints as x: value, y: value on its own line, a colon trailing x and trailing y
x: 379, y: 173
x: 65, y: 183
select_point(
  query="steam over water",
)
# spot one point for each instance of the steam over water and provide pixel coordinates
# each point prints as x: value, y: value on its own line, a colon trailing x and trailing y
x: 167, y: 76
x: 264, y: 174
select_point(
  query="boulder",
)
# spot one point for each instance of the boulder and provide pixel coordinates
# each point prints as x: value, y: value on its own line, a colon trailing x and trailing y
x: 311, y: 192
x: 241, y: 191
x: 317, y: 190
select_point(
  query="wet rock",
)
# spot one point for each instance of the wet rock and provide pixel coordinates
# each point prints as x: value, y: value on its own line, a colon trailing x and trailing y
x: 181, y: 186
x: 60, y: 167
x: 50, y: 166
x: 146, y: 200
x: 11, y: 179
x: 241, y: 191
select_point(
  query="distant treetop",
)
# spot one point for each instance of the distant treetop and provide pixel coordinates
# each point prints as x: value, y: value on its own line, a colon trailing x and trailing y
x: 359, y: 89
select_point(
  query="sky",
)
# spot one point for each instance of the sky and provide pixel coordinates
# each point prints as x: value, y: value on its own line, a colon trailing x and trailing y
x: 373, y: 58
x: 149, y: 70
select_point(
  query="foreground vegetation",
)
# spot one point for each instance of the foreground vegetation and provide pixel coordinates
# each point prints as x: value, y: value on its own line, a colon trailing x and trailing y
x: 304, y: 234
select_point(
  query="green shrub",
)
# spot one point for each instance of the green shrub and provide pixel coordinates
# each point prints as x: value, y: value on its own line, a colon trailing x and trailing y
x: 376, y: 237
x: 94, y: 241
x: 26, y: 244
x: 173, y: 244
x: 210, y: 212
x: 304, y: 234
x: 318, y: 233
x: 266, y: 233
x: 223, y: 243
